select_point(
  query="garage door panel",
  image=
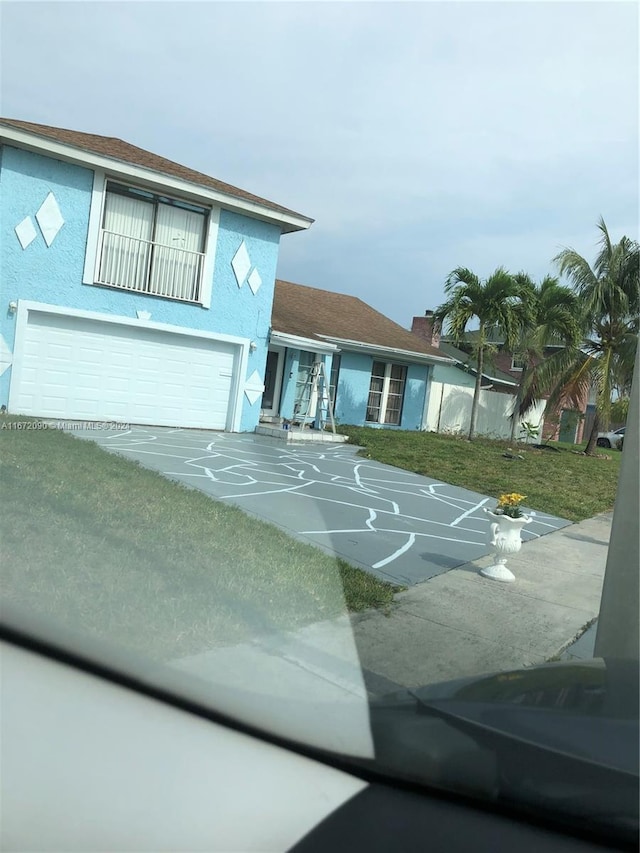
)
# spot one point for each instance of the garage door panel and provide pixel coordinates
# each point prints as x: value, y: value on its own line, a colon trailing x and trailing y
x: 121, y: 360
x: 56, y: 377
x: 90, y: 407
x: 54, y: 404
x: 89, y: 380
x: 83, y: 369
x: 58, y: 351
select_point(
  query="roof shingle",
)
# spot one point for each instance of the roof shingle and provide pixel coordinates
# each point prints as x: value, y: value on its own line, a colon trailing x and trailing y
x: 117, y: 149
x: 310, y: 312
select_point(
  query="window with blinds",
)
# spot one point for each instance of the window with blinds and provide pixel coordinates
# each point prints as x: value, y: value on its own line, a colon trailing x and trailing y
x: 152, y: 244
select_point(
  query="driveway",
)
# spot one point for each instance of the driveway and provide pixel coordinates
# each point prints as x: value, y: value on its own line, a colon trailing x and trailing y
x: 399, y: 526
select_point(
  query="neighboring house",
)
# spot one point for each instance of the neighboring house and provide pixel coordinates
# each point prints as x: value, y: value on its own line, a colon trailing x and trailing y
x: 379, y: 373
x: 492, y: 378
x: 134, y: 289
x: 563, y: 424
x: 453, y: 388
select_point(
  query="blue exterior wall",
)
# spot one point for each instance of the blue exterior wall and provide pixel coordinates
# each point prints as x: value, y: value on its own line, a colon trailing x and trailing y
x: 353, y: 388
x: 415, y: 396
x: 353, y: 392
x: 54, y: 274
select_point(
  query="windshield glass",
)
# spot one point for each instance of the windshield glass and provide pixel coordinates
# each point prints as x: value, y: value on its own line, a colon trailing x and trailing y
x: 317, y: 376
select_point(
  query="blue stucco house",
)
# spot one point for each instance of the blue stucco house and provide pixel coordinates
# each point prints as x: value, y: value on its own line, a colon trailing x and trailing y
x: 137, y: 290
x: 133, y: 289
x: 378, y: 373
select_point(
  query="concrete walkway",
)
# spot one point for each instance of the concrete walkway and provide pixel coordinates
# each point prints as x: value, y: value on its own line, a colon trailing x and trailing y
x: 460, y: 624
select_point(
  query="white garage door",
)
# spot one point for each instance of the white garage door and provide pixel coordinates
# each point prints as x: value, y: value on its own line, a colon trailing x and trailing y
x: 81, y: 369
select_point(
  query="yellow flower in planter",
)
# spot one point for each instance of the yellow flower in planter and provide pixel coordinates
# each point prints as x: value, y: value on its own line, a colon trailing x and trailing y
x: 510, y: 504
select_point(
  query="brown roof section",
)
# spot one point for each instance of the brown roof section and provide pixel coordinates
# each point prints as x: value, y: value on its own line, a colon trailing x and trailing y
x: 310, y: 312
x: 110, y: 146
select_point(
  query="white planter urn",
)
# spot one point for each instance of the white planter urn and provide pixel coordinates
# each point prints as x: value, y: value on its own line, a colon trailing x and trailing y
x: 505, y: 540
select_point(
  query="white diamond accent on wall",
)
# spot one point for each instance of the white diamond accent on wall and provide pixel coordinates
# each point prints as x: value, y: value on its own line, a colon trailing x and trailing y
x: 241, y: 264
x: 254, y: 387
x: 6, y: 356
x: 143, y: 315
x: 49, y: 219
x: 254, y: 281
x: 26, y: 232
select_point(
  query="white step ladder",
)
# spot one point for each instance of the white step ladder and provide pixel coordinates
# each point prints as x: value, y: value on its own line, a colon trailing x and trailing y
x: 318, y: 386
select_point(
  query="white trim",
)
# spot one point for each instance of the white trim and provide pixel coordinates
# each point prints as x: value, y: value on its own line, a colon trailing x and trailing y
x: 63, y: 151
x: 297, y: 342
x: 387, y: 352
x: 206, y: 284
x: 384, y: 399
x: 91, y: 259
x: 121, y: 320
x: 242, y: 344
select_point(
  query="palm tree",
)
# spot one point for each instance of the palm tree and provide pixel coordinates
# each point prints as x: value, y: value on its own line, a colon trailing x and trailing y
x: 609, y: 296
x: 552, y: 320
x: 497, y: 301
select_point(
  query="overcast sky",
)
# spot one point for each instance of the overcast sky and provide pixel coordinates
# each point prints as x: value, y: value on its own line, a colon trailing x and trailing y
x: 420, y: 136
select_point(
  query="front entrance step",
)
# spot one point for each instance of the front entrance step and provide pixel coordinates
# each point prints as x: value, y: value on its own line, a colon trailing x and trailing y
x: 295, y: 434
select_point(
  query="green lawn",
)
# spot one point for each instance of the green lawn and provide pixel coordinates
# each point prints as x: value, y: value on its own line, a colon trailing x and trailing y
x: 565, y: 483
x: 119, y: 551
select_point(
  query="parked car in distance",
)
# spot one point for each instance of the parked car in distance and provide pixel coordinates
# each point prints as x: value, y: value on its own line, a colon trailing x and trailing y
x: 611, y: 439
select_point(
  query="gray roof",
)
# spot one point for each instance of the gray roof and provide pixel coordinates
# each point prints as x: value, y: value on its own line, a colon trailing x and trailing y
x: 470, y: 364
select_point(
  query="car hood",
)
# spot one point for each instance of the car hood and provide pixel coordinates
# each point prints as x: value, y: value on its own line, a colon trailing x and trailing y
x: 558, y: 739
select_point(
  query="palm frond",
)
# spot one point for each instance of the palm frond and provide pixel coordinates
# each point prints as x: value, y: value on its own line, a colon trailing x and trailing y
x: 563, y: 377
x: 461, y: 275
x: 576, y: 268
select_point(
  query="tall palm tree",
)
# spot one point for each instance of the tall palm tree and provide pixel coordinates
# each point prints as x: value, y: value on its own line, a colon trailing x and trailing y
x: 609, y: 296
x: 551, y: 320
x: 497, y: 301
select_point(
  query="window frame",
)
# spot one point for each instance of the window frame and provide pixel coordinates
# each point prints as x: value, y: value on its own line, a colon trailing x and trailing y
x: 519, y: 358
x: 94, y: 236
x: 385, y: 392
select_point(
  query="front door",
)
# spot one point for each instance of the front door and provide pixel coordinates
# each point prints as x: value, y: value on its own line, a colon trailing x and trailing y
x: 272, y: 383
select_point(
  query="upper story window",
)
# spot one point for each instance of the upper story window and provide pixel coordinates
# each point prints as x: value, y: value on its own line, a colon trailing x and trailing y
x: 386, y: 393
x: 517, y: 362
x: 151, y: 244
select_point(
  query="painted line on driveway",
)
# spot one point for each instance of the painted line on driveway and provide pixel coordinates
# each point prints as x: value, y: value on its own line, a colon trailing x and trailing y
x: 396, y: 554
x: 469, y: 512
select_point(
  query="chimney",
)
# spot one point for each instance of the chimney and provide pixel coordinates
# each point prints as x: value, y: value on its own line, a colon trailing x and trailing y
x: 423, y: 328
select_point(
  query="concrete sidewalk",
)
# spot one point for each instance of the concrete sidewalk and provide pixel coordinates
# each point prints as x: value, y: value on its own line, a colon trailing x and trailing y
x: 314, y: 681
x: 460, y: 624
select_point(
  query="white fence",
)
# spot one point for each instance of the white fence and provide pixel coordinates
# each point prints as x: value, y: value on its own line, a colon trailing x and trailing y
x: 449, y: 410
